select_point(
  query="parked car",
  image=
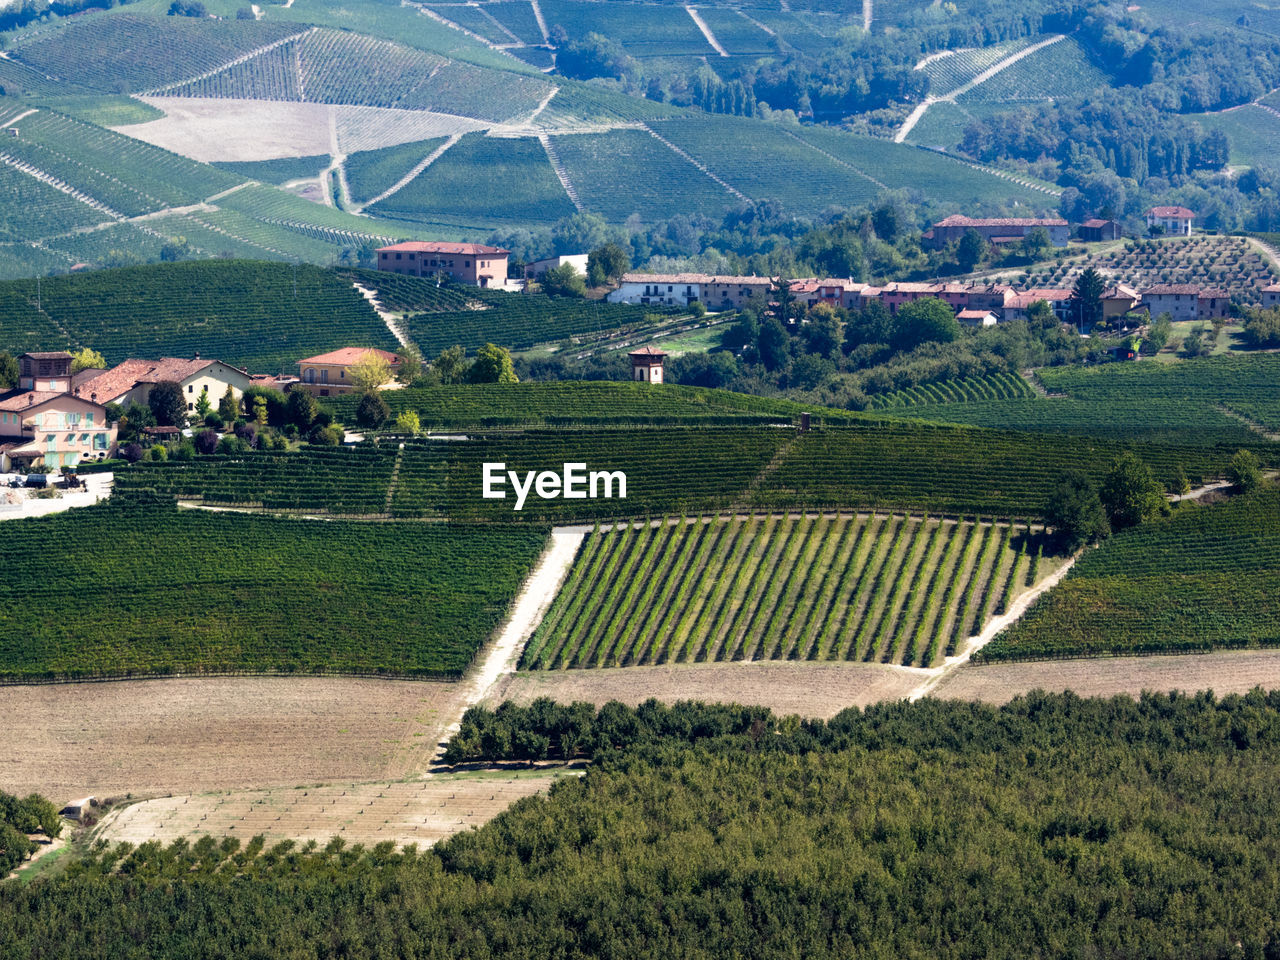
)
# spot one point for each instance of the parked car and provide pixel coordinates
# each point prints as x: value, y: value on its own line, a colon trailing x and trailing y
x: 37, y: 480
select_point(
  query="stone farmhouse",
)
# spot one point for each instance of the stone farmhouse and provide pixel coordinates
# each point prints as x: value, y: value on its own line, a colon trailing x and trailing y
x: 133, y: 380
x: 1185, y: 301
x: 997, y: 230
x: 1271, y: 296
x: 1172, y: 221
x: 45, y: 424
x: 469, y: 263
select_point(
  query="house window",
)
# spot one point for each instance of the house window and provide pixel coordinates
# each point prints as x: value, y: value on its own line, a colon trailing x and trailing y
x: 324, y: 393
x: 191, y: 388
x: 342, y: 374
x: 99, y: 441
x: 88, y: 418
x: 397, y: 256
x: 191, y: 406
x: 411, y: 256
x: 324, y: 376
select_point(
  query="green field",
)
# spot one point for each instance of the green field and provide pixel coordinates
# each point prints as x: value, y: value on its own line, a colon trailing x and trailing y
x: 1062, y: 69
x: 166, y: 591
x: 1207, y: 578
x: 369, y: 172
x: 278, y: 171
x: 1000, y: 386
x: 882, y: 588
x: 955, y: 70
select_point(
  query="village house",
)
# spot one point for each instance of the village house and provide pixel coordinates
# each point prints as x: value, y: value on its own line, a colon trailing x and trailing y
x: 978, y: 318
x: 132, y: 381
x: 44, y: 425
x: 535, y: 270
x: 326, y: 374
x: 1171, y: 221
x: 1271, y: 296
x: 848, y: 294
x: 470, y: 263
x: 1119, y: 300
x: 1185, y: 301
x: 998, y: 230
x: 1095, y: 231
x: 1061, y: 301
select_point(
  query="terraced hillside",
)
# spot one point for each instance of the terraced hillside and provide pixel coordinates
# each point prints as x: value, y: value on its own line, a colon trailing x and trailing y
x: 1206, y: 578
x: 888, y: 589
x: 231, y: 590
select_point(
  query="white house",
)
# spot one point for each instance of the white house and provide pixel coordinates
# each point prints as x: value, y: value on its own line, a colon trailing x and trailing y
x: 535, y: 270
x: 682, y: 289
x: 978, y: 318
x: 1173, y: 221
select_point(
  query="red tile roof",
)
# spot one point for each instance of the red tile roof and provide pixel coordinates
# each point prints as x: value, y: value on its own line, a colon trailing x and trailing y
x: 349, y: 355
x: 120, y: 379
x: 53, y: 355
x: 1178, y: 213
x: 432, y: 246
x: 646, y: 353
x: 1183, y: 289
x: 30, y: 399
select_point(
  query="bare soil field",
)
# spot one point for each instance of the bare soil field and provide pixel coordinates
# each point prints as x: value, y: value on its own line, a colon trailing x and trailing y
x: 149, y: 737
x: 421, y: 811
x: 809, y: 689
x: 1235, y: 671
x: 215, y: 129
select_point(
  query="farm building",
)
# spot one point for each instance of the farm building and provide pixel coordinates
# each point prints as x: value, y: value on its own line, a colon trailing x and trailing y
x: 1062, y: 302
x: 1118, y: 300
x: 1171, y: 221
x: 325, y: 375
x: 646, y: 365
x: 978, y: 318
x: 682, y: 289
x: 998, y: 230
x: 848, y: 294
x: 52, y: 429
x: 535, y: 270
x: 133, y: 380
x: 470, y: 263
x: 1271, y: 296
x: 1185, y: 301
x: 1095, y: 231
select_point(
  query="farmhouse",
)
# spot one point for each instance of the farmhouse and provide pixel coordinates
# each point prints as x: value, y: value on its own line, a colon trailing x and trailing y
x: 682, y: 289
x: 1095, y: 231
x: 326, y: 374
x: 1118, y: 300
x: 1184, y: 301
x: 848, y: 294
x: 998, y: 230
x: 1062, y: 302
x: 535, y: 270
x: 978, y: 318
x: 133, y: 380
x: 471, y: 263
x: 1271, y: 296
x: 1173, y: 221
x: 53, y: 428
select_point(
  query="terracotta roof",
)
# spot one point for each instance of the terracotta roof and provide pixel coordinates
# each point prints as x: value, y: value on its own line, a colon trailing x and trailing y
x: 973, y: 314
x: 960, y: 220
x: 30, y: 399
x: 1182, y: 289
x: 1181, y: 213
x: 51, y: 355
x: 912, y: 288
x: 1120, y: 291
x: 120, y: 379
x: 349, y: 355
x: 692, y: 278
x: 1271, y: 288
x: 646, y: 353
x: 432, y: 246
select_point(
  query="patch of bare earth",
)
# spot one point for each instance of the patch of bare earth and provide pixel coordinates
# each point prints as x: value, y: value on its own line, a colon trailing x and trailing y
x: 149, y: 737
x: 418, y: 811
x: 809, y: 689
x: 1234, y: 671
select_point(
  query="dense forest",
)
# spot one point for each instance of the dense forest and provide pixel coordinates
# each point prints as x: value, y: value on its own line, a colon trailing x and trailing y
x: 1053, y: 826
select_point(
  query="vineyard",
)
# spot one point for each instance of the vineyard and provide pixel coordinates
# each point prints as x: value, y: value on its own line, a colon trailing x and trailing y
x: 1184, y: 422
x: 30, y: 208
x: 885, y: 589
x: 955, y: 70
x: 249, y: 314
x: 999, y: 386
x: 1062, y: 69
x: 1251, y: 132
x: 127, y: 52
x: 475, y: 19
x: 642, y: 29
x: 738, y: 35
x: 580, y: 402
x: 1210, y: 379
x: 669, y: 471
x: 369, y: 172
x: 483, y: 180
x: 517, y: 18
x: 1224, y: 263
x: 165, y: 591
x: 577, y: 101
x: 660, y: 182
x: 350, y: 481
x: 958, y: 470
x: 942, y: 126
x: 278, y: 171
x: 1207, y: 578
